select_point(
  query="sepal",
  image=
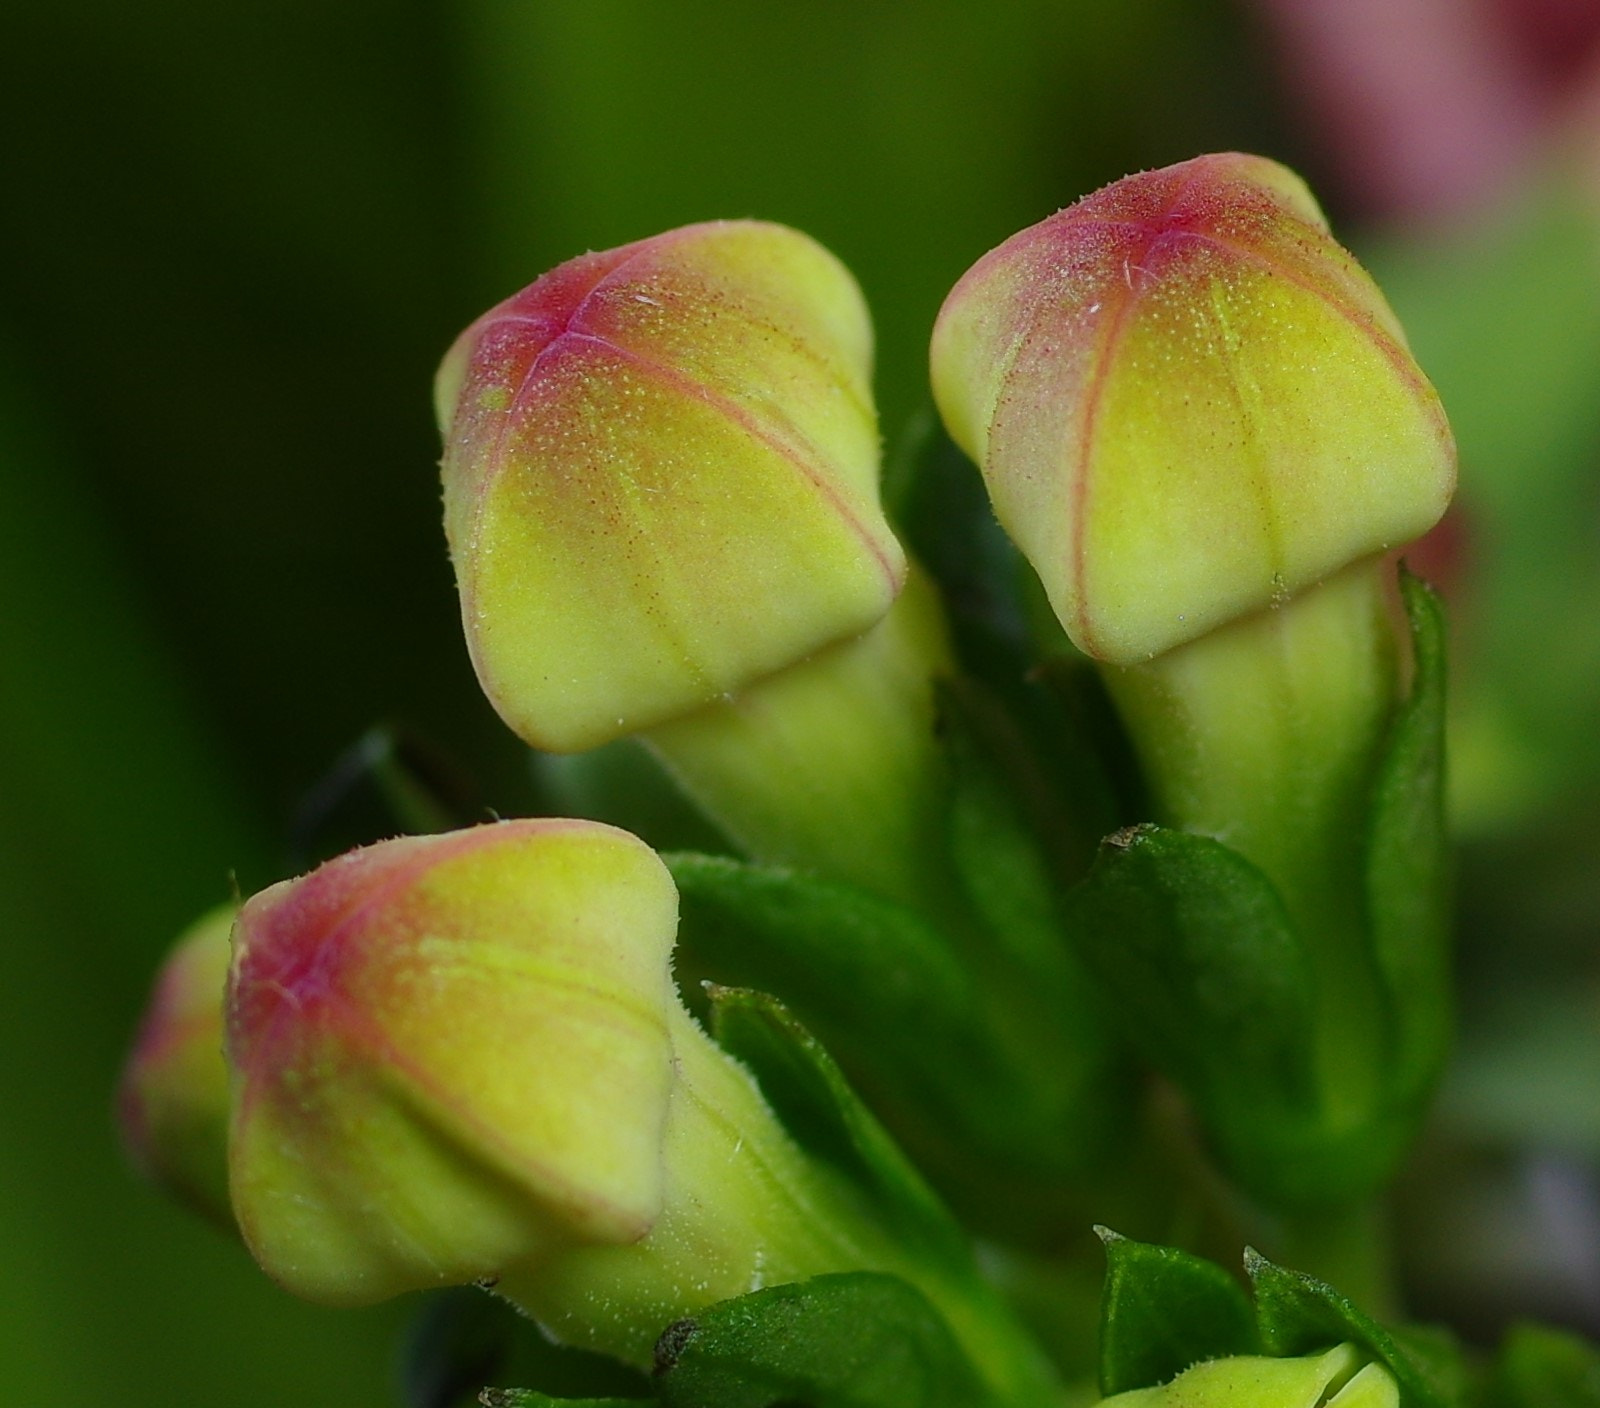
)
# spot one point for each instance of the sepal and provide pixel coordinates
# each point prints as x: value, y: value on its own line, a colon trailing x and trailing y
x: 1408, y: 861
x: 815, y: 1104
x: 1297, y: 1313
x: 1163, y: 1310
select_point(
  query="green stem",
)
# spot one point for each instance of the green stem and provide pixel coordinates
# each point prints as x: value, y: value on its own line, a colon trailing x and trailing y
x: 832, y: 764
x: 1265, y: 734
x: 745, y: 1208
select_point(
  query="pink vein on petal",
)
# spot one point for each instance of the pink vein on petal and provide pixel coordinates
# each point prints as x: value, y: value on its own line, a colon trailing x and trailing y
x: 398, y: 878
x: 1126, y: 301
x: 741, y: 417
x: 572, y: 329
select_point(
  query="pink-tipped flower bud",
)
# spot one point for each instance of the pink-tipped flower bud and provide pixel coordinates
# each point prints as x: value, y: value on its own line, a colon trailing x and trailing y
x: 172, y: 1103
x: 1189, y: 402
x: 661, y: 479
x: 462, y: 1058
x: 450, y: 1055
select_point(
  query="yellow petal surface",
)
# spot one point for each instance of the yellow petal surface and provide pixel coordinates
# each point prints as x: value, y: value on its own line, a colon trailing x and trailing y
x: 450, y: 1053
x: 1189, y: 403
x: 660, y: 473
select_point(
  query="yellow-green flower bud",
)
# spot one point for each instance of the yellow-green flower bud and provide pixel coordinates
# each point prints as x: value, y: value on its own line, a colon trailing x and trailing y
x: 661, y: 479
x: 1189, y: 402
x: 1199, y: 420
x: 422, y: 1035
x: 172, y: 1103
x: 461, y: 1058
x: 1337, y: 1379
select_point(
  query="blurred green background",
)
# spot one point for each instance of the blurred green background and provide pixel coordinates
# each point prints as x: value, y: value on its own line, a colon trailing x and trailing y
x: 236, y: 241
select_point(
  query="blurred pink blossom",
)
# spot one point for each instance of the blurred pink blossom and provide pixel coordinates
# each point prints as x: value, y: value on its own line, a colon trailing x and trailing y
x: 1425, y: 108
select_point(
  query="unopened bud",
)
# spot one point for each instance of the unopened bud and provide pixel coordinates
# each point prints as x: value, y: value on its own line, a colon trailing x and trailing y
x: 661, y: 479
x: 1189, y: 402
x: 450, y: 1054
x: 461, y: 1058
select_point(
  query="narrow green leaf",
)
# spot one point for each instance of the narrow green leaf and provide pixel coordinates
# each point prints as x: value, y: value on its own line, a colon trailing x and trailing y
x: 1007, y: 1084
x: 857, y: 1340
x: 997, y: 854
x: 1408, y: 862
x: 868, y: 973
x: 1164, y: 1310
x: 815, y: 1103
x: 1299, y: 1314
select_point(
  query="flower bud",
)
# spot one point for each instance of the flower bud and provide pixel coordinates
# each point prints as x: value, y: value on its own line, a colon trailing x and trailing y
x: 1189, y: 402
x: 423, y: 1034
x: 1336, y: 1379
x: 661, y: 479
x: 461, y: 1058
x: 172, y: 1103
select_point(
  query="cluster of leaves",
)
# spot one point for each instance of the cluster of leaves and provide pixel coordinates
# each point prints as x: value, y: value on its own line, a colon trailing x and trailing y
x: 871, y: 1341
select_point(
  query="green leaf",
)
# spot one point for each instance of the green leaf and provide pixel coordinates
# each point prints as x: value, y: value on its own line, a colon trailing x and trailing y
x: 1299, y: 1314
x: 815, y: 1104
x: 877, y: 984
x: 1164, y: 1310
x: 1408, y: 862
x: 994, y: 843
x: 869, y: 974
x: 857, y: 1340
x: 1006, y: 1084
x: 1543, y: 1368
x: 1208, y: 977
x: 1060, y: 1102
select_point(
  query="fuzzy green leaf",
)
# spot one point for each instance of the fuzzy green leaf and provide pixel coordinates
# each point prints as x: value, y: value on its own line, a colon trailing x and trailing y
x: 870, y: 975
x: 1408, y: 862
x: 881, y: 989
x: 856, y: 1340
x: 1299, y: 1314
x: 1164, y: 1310
x: 995, y: 850
x: 816, y: 1105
